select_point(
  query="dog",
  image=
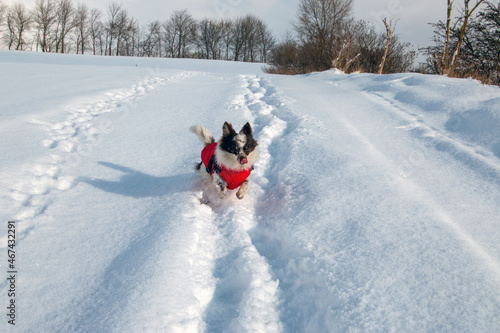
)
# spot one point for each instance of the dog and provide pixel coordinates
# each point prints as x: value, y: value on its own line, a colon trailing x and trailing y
x: 227, y: 163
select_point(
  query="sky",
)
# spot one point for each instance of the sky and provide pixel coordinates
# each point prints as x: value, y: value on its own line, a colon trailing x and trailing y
x: 412, y: 16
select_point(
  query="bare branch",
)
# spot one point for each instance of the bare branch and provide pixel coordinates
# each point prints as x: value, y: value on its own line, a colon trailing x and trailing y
x: 389, y: 33
x: 463, y: 30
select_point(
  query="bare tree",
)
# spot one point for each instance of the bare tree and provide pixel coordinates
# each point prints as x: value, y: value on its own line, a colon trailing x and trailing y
x: 81, y: 22
x: 210, y: 38
x: 245, y: 39
x: 63, y: 27
x: 388, y: 29
x: 96, y: 30
x: 227, y: 38
x: 364, y: 49
x: 65, y: 23
x: 135, y: 40
x: 169, y: 39
x: 467, y: 13
x: 250, y: 37
x: 266, y: 40
x: 348, y: 53
x: 445, y: 58
x: 44, y: 17
x: 122, y: 32
x: 181, y: 30
x: 239, y: 36
x: 152, y: 43
x: 288, y: 58
x: 9, y: 37
x: 19, y: 21
x: 114, y: 10
x: 480, y: 53
x: 3, y: 12
x: 205, y: 38
x: 361, y: 50
x: 447, y: 62
x: 318, y: 25
x: 123, y: 27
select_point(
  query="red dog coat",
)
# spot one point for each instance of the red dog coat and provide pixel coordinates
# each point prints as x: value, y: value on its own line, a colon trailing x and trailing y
x: 233, y: 178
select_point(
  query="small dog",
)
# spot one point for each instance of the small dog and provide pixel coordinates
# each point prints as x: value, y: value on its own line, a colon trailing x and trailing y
x: 228, y: 162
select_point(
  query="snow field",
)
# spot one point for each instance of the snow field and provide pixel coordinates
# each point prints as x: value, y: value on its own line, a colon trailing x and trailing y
x: 411, y: 213
x: 69, y: 141
x: 373, y: 207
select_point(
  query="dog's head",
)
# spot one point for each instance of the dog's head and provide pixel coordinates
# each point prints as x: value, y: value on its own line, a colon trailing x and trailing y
x: 237, y: 151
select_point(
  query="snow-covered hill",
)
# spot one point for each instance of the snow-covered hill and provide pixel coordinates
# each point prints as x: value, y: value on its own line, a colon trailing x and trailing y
x: 375, y: 205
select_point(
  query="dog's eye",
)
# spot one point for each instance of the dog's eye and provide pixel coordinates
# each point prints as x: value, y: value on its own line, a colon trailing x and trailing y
x: 234, y: 150
x: 249, y: 149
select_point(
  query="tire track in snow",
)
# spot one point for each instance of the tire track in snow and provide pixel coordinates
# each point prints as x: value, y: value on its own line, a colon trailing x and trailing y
x: 417, y: 191
x: 464, y: 154
x: 68, y: 143
x: 420, y: 194
x: 246, y: 296
x: 306, y: 302
x: 468, y: 155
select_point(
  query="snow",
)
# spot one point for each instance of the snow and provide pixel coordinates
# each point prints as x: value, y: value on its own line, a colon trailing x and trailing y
x: 374, y: 205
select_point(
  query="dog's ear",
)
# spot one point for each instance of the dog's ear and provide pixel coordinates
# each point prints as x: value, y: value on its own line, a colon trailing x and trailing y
x: 227, y: 129
x: 246, y: 129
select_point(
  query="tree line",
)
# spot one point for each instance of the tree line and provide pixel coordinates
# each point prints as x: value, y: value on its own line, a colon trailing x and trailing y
x: 60, y: 26
x: 327, y: 36
x: 467, y: 45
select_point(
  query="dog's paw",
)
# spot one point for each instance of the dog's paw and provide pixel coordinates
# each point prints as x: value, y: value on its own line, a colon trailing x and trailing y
x: 242, y: 190
x: 222, y: 191
x: 220, y: 185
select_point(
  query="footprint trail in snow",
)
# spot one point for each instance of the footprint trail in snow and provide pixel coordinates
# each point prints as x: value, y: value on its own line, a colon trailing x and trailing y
x: 68, y: 143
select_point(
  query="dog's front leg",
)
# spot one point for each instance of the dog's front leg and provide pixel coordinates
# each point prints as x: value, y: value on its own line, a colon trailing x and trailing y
x: 243, y: 189
x: 221, y: 185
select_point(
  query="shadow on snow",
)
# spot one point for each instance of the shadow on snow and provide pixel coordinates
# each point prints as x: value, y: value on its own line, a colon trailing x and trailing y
x: 138, y: 184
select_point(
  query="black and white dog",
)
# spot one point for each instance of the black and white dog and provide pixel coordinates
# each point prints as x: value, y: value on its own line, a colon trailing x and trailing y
x: 227, y: 163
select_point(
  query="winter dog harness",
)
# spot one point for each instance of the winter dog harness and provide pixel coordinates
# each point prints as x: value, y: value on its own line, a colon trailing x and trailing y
x: 233, y: 178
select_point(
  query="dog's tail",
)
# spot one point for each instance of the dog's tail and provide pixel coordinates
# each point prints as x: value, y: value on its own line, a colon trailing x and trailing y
x: 203, y: 134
